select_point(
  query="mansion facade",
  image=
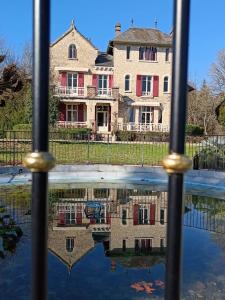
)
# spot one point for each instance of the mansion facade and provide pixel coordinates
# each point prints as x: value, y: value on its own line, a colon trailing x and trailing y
x: 128, y: 87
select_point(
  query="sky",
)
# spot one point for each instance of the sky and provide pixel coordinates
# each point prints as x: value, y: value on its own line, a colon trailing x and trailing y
x: 96, y: 19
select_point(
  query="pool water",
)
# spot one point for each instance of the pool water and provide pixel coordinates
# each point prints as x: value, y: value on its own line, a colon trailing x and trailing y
x: 109, y: 242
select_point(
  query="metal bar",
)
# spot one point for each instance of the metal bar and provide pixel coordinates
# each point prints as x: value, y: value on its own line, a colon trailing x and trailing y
x: 41, y: 29
x: 177, y: 139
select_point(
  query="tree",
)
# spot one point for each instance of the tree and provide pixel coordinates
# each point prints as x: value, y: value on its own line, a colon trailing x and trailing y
x: 202, y: 109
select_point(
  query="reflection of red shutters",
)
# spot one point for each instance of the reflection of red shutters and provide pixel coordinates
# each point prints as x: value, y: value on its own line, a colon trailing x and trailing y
x: 61, y: 219
x: 152, y: 214
x: 155, y: 86
x: 80, y: 113
x: 143, y: 244
x: 110, y: 81
x: 95, y: 80
x: 138, y: 86
x: 92, y: 221
x: 109, y: 110
x: 108, y: 218
x: 79, y: 218
x: 135, y: 214
x: 63, y: 79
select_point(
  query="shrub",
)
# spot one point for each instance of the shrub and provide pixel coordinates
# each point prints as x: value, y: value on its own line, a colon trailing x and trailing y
x: 194, y: 129
x: 143, y: 136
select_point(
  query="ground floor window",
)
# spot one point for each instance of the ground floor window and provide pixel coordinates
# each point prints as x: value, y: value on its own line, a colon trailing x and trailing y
x: 72, y: 113
x: 147, y: 114
x: 143, y: 245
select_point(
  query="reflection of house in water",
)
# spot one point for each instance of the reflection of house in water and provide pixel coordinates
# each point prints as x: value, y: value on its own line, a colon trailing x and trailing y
x: 130, y: 221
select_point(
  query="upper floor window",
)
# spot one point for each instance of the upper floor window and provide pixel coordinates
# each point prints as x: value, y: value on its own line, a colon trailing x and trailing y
x: 166, y: 84
x: 124, y: 216
x: 72, y: 51
x: 127, y: 83
x: 167, y: 54
x: 72, y: 80
x: 162, y: 216
x: 128, y: 52
x: 146, y: 85
x: 148, y: 53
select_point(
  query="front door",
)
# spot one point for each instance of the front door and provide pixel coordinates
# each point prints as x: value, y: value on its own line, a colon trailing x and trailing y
x: 102, y: 121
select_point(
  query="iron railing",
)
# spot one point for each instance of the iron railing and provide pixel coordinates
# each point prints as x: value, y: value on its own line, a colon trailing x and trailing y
x: 206, y: 152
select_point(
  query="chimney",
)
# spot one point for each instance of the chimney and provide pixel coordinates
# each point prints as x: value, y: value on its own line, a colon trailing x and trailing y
x: 118, y: 29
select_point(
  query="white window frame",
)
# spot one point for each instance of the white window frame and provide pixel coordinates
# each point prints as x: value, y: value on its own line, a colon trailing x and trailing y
x: 72, y: 80
x: 142, y: 221
x: 148, y: 78
x: 145, y: 112
x: 144, y: 51
x: 103, y: 90
x: 73, y: 108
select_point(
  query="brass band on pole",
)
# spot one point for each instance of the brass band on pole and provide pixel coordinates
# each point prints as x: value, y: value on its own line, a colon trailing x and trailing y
x: 176, y: 163
x: 39, y: 161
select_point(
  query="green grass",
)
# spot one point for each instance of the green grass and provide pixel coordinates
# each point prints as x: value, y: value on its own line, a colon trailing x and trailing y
x: 94, y: 152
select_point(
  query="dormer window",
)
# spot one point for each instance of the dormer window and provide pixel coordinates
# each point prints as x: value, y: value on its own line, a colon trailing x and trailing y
x: 148, y: 53
x: 72, y: 52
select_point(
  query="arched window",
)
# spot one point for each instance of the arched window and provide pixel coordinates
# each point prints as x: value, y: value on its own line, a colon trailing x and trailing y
x: 166, y: 84
x: 127, y: 83
x: 72, y: 53
x: 69, y: 244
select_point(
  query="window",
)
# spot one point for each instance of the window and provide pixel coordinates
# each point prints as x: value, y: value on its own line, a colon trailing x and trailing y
x: 166, y: 84
x: 72, y: 51
x: 124, y: 217
x: 124, y: 246
x: 128, y: 52
x: 102, y: 84
x: 142, y: 245
x: 147, y: 114
x: 143, y: 215
x: 167, y: 54
x: 162, y: 244
x: 127, y: 83
x: 146, y: 85
x: 101, y: 193
x: 162, y: 216
x: 72, y: 113
x: 72, y: 79
x: 148, y: 53
x: 69, y: 244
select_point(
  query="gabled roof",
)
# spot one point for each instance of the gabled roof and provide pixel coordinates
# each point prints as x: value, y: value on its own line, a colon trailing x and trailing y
x: 144, y: 36
x: 71, y: 28
x: 104, y: 59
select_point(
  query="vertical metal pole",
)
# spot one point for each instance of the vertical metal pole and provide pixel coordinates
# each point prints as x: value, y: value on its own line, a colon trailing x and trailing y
x: 41, y: 35
x: 177, y: 163
x: 40, y: 161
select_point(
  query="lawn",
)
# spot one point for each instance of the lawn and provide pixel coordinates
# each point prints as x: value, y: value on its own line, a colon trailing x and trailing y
x: 94, y: 152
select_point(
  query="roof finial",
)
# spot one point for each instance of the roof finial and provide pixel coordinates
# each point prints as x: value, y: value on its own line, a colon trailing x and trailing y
x: 156, y: 23
x: 72, y: 23
x: 132, y: 22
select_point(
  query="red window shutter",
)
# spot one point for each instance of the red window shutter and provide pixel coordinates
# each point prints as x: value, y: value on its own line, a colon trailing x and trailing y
x: 135, y: 214
x: 62, y: 112
x: 110, y: 81
x: 80, y: 79
x: 95, y: 80
x: 138, y: 86
x: 92, y: 221
x: 80, y: 113
x: 108, y: 218
x: 155, y: 86
x: 152, y: 214
x: 79, y: 218
x: 63, y: 79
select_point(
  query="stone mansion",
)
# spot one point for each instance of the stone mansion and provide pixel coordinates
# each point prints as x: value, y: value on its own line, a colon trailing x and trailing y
x: 126, y: 88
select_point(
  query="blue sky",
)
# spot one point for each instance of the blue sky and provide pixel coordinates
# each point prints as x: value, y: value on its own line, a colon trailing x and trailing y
x: 96, y: 20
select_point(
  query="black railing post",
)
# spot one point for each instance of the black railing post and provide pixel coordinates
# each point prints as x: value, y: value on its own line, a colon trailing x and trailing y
x: 177, y: 163
x: 40, y: 161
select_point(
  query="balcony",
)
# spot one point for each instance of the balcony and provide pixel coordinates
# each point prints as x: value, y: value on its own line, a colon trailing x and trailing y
x: 146, y: 94
x: 68, y: 91
x: 69, y: 124
x: 107, y: 92
x: 139, y: 127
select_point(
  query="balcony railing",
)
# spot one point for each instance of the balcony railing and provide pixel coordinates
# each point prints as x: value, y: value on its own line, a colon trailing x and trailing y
x: 139, y: 127
x: 69, y: 124
x: 69, y: 91
x: 104, y: 92
x: 146, y: 93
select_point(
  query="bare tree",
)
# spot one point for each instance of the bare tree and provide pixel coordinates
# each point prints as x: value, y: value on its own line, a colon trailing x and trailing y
x: 26, y: 60
x: 217, y: 73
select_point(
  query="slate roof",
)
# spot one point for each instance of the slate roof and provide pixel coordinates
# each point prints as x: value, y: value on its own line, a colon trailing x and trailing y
x: 104, y: 59
x: 144, y: 36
